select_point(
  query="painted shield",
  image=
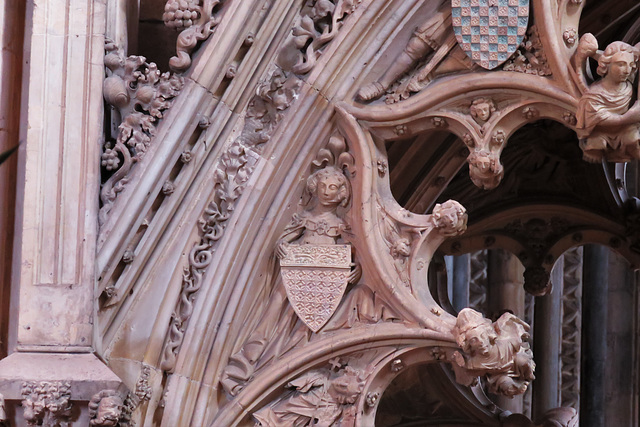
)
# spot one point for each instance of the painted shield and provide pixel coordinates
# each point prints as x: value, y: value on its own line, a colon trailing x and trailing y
x: 489, y: 31
x: 315, y: 277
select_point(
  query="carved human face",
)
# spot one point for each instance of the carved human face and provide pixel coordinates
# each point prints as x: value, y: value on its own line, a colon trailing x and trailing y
x: 450, y: 218
x: 478, y: 341
x: 109, y: 411
x: 621, y: 67
x: 483, y: 111
x: 330, y: 190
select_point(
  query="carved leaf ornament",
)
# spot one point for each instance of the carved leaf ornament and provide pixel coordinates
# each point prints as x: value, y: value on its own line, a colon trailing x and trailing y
x: 489, y: 31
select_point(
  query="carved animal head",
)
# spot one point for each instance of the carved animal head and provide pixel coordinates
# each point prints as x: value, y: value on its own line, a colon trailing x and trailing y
x: 105, y: 408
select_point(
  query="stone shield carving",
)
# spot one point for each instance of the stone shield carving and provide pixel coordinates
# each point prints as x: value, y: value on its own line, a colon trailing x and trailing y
x: 489, y: 31
x: 315, y: 278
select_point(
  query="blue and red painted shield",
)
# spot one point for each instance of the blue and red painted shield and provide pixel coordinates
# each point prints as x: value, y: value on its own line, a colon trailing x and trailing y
x: 489, y: 31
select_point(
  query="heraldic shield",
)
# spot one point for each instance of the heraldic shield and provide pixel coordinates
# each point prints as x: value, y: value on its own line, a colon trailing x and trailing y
x: 315, y: 278
x: 489, y: 31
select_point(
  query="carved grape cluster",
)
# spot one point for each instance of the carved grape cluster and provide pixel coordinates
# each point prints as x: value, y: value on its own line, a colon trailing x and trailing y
x: 110, y: 160
x: 181, y: 14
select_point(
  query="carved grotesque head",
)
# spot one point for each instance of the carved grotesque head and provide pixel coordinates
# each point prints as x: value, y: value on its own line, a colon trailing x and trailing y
x: 105, y: 408
x: 506, y: 385
x: 346, y: 388
x: 330, y: 186
x: 450, y: 218
x: 618, y: 62
x: 481, y: 109
x: 474, y: 334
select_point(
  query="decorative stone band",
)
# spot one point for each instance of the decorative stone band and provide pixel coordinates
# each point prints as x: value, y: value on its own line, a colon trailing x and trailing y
x: 336, y: 256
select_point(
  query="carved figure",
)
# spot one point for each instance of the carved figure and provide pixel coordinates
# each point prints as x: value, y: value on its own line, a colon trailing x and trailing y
x: 449, y: 218
x: 435, y: 35
x: 106, y: 408
x: 485, y: 169
x: 496, y: 350
x: 315, y: 270
x: 481, y: 109
x: 606, y: 126
x: 557, y: 417
x: 319, y: 398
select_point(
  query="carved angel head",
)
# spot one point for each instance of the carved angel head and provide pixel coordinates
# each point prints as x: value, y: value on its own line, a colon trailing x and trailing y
x: 329, y: 186
x: 618, y: 62
x: 474, y: 333
x: 450, y: 218
x: 481, y: 109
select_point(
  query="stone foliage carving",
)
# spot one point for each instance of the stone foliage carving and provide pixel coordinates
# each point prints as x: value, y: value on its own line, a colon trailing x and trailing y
x: 530, y: 57
x: 498, y: 351
x: 196, y: 20
x: 139, y: 94
x: 46, y: 403
x: 608, y: 129
x: 322, y: 397
x: 317, y: 26
x: 434, y: 36
x: 107, y: 409
x: 274, y: 96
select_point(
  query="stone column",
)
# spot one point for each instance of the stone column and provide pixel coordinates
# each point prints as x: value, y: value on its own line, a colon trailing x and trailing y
x: 461, y: 278
x: 56, y: 220
x: 546, y: 345
x: 12, y: 40
x: 594, y: 336
x: 506, y: 292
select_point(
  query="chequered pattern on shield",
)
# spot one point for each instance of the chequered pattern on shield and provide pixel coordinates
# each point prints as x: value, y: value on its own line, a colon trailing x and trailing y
x: 489, y: 31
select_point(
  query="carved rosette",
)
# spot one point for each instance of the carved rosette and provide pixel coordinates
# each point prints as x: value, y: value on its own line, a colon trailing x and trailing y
x: 315, y: 278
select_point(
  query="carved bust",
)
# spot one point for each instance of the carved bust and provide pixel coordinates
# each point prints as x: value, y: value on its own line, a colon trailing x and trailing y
x: 607, y: 128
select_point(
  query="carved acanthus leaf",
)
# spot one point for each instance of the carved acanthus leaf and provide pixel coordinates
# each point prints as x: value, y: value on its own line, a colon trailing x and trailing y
x: 139, y: 94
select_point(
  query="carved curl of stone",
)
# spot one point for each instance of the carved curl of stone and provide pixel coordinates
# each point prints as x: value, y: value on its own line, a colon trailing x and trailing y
x: 196, y: 21
x: 107, y: 409
x: 317, y: 267
x: 608, y: 129
x: 319, y: 397
x: 46, y: 403
x: 316, y: 28
x: 498, y: 351
x: 139, y: 95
